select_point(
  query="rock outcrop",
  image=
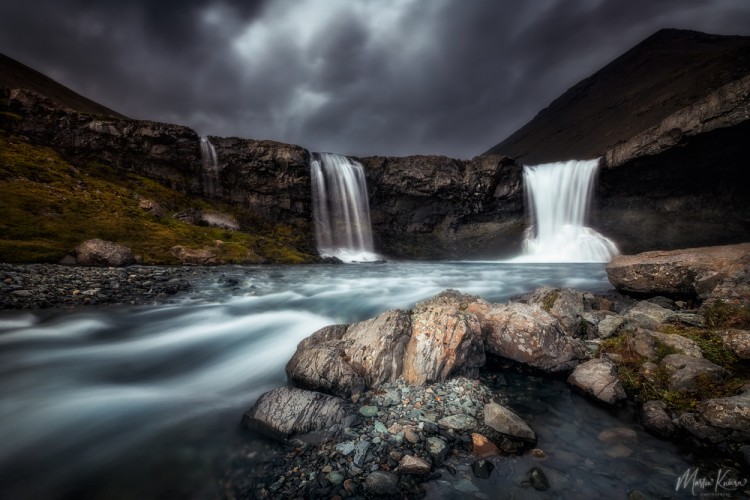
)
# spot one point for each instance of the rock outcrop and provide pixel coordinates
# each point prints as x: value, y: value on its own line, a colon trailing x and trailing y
x: 710, y: 273
x: 98, y: 252
x: 598, y: 378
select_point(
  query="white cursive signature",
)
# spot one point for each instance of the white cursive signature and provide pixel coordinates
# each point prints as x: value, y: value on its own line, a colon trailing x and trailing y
x: 724, y: 480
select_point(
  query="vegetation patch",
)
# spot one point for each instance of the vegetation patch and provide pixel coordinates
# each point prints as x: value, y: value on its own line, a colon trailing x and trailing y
x: 49, y: 207
x: 549, y: 300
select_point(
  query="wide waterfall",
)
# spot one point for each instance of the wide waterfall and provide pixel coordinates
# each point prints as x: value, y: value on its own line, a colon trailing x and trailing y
x: 211, y: 181
x: 341, y: 209
x: 558, y: 196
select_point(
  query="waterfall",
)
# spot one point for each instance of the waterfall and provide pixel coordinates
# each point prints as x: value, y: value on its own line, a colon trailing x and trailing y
x: 211, y: 182
x: 341, y: 210
x: 558, y: 196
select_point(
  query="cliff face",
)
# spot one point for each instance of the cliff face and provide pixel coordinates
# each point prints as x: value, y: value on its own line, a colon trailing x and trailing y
x: 432, y: 207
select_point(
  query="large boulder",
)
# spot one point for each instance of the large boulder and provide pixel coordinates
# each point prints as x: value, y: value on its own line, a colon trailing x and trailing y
x: 565, y: 304
x: 507, y: 422
x: 686, y: 373
x: 286, y: 411
x: 649, y: 315
x: 598, y: 378
x: 528, y: 334
x: 730, y: 413
x: 738, y: 341
x: 704, y: 273
x: 98, y: 252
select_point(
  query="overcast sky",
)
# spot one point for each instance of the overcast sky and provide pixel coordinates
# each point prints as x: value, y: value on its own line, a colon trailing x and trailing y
x: 360, y: 77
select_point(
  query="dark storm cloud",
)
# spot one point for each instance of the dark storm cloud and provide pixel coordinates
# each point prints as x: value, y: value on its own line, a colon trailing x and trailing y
x: 359, y: 77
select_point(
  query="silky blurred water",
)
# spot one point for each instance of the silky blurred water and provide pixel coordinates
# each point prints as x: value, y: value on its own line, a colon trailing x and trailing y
x: 120, y: 402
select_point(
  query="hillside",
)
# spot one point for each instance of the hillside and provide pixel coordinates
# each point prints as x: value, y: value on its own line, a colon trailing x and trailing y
x: 14, y: 74
x: 665, y: 73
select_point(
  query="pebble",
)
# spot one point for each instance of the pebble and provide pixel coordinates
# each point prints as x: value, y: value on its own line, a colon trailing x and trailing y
x: 368, y: 411
x: 413, y: 465
x: 335, y: 477
x: 482, y: 468
x: 381, y: 483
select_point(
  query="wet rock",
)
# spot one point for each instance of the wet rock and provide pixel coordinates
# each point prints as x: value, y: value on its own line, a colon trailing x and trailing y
x: 615, y: 435
x: 649, y: 315
x: 98, y: 252
x: 506, y: 422
x: 360, y: 452
x: 529, y: 335
x: 436, y: 447
x: 610, y: 325
x: 335, y: 477
x: 655, y: 418
x: 686, y: 372
x: 538, y: 479
x: 413, y: 465
x: 482, y: 468
x: 565, y: 304
x: 483, y: 447
x: 381, y: 483
x: 738, y: 341
x: 368, y: 411
x: 598, y: 378
x: 286, y: 411
x: 694, y: 272
x: 730, y: 413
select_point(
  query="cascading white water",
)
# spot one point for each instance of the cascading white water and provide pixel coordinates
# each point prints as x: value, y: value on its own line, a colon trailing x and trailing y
x: 341, y: 209
x: 211, y: 182
x: 558, y: 196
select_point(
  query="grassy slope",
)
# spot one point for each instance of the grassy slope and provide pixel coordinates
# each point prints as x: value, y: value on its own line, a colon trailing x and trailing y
x: 48, y: 207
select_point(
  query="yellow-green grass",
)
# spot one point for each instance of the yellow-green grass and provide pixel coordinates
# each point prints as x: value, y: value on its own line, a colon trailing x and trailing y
x: 48, y: 207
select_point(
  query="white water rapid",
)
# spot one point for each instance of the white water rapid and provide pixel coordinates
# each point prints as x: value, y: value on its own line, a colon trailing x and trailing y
x: 558, y: 196
x: 211, y: 182
x: 341, y: 210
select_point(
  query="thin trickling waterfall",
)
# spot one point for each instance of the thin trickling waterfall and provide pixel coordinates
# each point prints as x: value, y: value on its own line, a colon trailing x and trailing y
x: 341, y: 210
x: 558, y: 196
x: 211, y: 182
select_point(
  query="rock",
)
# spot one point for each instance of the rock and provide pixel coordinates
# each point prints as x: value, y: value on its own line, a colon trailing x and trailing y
x: 565, y: 304
x: 506, y: 422
x: 98, y: 252
x: 22, y: 293
x: 381, y: 483
x: 615, y: 435
x: 219, y: 219
x: 649, y: 315
x: 436, y: 447
x: 538, y: 479
x: 686, y: 372
x: 411, y: 436
x: 738, y: 341
x: 730, y: 413
x: 360, y: 452
x: 643, y: 344
x: 695, y: 272
x: 368, y: 411
x: 482, y: 446
x: 286, y: 411
x: 682, y: 345
x: 413, y: 465
x: 646, y: 343
x: 194, y: 256
x: 346, y: 448
x: 648, y: 370
x: 529, y: 335
x: 598, y: 378
x: 335, y: 477
x: 610, y: 326
x: 443, y: 340
x: 655, y: 418
x: 459, y: 422
x: 538, y: 453
x: 482, y: 468
x: 151, y: 207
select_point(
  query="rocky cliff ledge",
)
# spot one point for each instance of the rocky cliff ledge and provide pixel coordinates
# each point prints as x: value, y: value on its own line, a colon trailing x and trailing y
x: 432, y: 207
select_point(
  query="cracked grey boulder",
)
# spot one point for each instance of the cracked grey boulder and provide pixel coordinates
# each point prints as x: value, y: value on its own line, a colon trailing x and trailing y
x: 98, y: 252
x: 598, y: 378
x: 649, y: 315
x: 654, y: 417
x: 506, y: 422
x: 687, y: 372
x: 286, y: 411
x: 565, y: 304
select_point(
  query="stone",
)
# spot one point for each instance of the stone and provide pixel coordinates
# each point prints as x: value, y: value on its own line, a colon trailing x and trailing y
x: 598, y: 378
x: 693, y: 272
x: 380, y: 427
x: 643, y: 344
x: 360, y: 452
x: 655, y: 419
x: 381, y: 483
x: 194, y: 256
x: 565, y: 304
x: 649, y: 315
x: 98, y: 252
x: 538, y: 479
x: 413, y: 465
x: 436, y: 447
x: 482, y: 446
x: 729, y: 413
x: 615, y: 435
x: 151, y: 207
x: 682, y: 345
x: 335, y: 477
x: 506, y: 422
x: 738, y: 341
x: 286, y: 411
x: 610, y: 325
x: 648, y: 370
x: 482, y: 468
x: 529, y: 335
x: 411, y: 436
x: 686, y: 372
x: 458, y: 422
x: 368, y: 411
x: 346, y: 448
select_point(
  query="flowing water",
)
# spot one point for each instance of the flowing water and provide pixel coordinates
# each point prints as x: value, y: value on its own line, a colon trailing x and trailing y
x: 211, y: 181
x: 558, y: 196
x: 341, y: 210
x: 144, y: 402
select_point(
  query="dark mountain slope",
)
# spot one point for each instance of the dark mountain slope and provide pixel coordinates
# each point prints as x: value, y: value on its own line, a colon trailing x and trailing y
x: 13, y: 75
x: 668, y: 71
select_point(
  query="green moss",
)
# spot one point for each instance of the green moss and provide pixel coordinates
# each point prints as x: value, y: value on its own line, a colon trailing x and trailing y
x: 49, y: 207
x: 549, y: 300
x: 723, y: 315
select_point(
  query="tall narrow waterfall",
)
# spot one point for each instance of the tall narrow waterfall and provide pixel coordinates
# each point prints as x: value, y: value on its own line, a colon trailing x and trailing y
x: 211, y: 182
x: 341, y: 209
x: 558, y: 197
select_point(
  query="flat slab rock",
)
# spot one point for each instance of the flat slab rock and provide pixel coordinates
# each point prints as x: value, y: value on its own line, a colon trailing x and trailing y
x: 286, y: 411
x: 507, y: 422
x: 685, y: 372
x: 598, y: 378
